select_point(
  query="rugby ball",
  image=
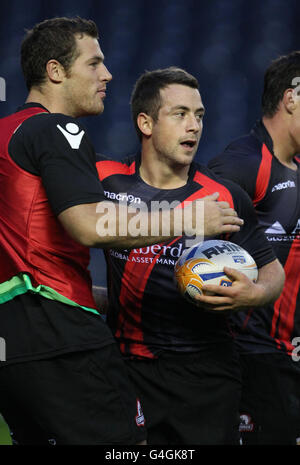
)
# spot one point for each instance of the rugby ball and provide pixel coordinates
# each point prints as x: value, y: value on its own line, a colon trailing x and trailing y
x: 204, y: 264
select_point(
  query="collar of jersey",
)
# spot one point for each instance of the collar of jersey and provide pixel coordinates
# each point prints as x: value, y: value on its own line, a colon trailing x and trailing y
x: 32, y: 105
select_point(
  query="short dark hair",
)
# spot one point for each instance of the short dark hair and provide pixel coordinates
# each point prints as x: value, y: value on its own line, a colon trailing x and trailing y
x: 278, y: 77
x: 146, y: 98
x: 52, y: 39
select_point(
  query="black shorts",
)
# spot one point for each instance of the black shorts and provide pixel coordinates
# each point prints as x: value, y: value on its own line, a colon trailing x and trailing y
x: 270, y: 405
x: 190, y: 398
x: 77, y: 398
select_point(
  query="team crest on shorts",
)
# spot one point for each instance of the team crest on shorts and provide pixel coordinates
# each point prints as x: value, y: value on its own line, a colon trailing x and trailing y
x: 139, y: 419
x: 246, y: 423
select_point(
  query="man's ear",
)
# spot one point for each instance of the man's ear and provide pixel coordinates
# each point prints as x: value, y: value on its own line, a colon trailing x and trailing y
x: 145, y: 124
x: 55, y: 71
x: 290, y: 99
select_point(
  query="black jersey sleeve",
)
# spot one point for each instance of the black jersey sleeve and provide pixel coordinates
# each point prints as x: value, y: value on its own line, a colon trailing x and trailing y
x: 251, y: 235
x: 102, y: 157
x: 56, y: 147
x: 239, y: 164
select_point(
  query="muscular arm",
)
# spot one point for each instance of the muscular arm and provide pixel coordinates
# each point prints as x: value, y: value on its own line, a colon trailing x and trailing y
x: 67, y: 167
x: 244, y: 293
x: 85, y: 223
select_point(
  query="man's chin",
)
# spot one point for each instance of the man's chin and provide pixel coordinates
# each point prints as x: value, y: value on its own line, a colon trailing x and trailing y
x: 92, y: 111
x: 188, y: 158
x: 184, y: 162
x: 98, y: 110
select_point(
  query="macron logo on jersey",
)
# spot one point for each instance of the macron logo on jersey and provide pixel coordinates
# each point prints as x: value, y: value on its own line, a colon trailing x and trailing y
x: 72, y: 134
x: 283, y: 185
x: 122, y: 197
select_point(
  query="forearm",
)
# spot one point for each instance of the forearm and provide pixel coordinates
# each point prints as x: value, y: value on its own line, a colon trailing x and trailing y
x: 245, y: 293
x: 108, y: 225
x: 116, y: 228
x: 270, y: 283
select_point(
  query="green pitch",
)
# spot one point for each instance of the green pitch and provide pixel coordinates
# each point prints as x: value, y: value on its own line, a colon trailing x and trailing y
x: 4, y: 433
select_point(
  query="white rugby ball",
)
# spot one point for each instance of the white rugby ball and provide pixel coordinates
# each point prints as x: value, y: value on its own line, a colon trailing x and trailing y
x: 204, y: 263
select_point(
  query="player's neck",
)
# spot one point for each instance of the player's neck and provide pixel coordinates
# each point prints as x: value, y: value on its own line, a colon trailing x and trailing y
x: 53, y: 103
x: 283, y: 147
x: 162, y: 175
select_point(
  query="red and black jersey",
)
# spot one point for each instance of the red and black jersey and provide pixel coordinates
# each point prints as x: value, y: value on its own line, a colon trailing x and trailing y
x: 32, y: 239
x: 274, y: 189
x: 47, y: 164
x: 146, y: 313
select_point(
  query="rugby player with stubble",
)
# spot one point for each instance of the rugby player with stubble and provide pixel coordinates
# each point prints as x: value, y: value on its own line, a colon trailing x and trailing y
x: 181, y: 357
x: 63, y: 380
x: 265, y: 163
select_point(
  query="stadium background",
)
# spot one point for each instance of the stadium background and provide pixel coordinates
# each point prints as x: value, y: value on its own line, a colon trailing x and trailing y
x: 226, y: 44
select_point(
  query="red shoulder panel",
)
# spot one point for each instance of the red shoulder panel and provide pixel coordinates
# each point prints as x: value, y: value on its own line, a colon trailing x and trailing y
x: 107, y: 168
x: 263, y: 175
